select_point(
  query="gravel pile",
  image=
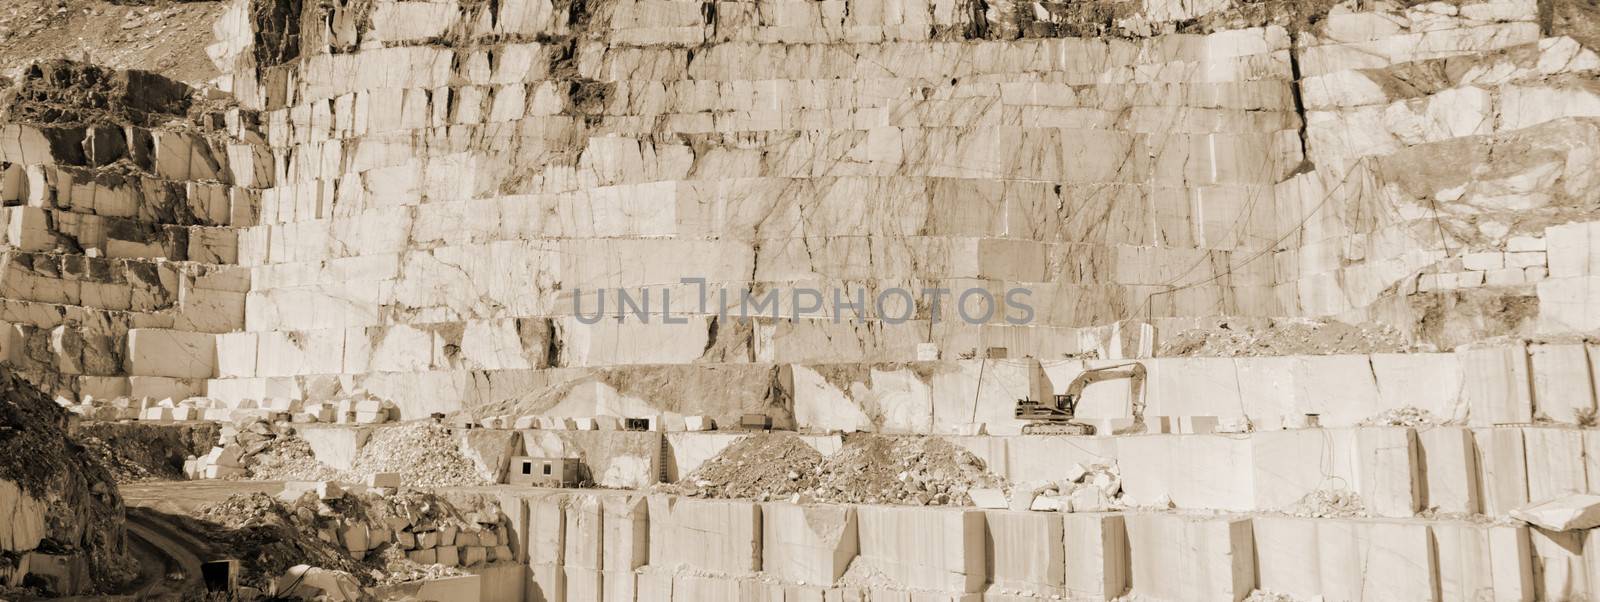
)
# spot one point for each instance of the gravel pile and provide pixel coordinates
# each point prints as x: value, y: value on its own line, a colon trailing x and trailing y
x: 424, y: 453
x: 760, y: 466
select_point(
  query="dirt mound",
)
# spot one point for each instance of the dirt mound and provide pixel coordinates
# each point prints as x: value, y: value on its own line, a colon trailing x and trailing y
x: 140, y: 451
x: 760, y: 466
x: 1285, y: 337
x: 85, y: 513
x: 425, y: 454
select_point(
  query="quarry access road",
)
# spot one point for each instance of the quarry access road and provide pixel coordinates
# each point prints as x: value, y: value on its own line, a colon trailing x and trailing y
x: 162, y: 551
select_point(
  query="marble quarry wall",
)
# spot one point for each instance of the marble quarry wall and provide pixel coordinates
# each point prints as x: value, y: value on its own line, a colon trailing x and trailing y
x: 571, y: 207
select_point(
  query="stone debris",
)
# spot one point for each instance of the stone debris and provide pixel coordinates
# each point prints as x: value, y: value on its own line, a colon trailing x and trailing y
x: 1266, y: 596
x: 400, y: 568
x: 921, y: 471
x: 1406, y: 416
x: 290, y: 458
x: 760, y: 466
x: 1284, y: 337
x: 259, y: 450
x: 136, y: 452
x: 424, y: 454
x: 1094, y: 487
x: 1330, y: 503
x: 377, y: 539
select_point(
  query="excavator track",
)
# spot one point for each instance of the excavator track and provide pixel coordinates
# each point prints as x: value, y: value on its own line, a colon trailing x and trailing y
x: 1056, y: 428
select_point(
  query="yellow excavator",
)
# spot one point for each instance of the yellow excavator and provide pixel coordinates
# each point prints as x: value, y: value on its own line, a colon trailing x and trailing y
x: 1057, y: 417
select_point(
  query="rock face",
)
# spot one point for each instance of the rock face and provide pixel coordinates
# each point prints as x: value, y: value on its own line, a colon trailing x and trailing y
x: 53, y: 490
x: 543, y: 205
x: 456, y: 203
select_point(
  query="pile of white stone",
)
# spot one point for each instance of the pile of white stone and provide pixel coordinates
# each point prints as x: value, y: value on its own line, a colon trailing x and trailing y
x: 474, y: 540
x: 1084, y: 488
x: 230, y: 458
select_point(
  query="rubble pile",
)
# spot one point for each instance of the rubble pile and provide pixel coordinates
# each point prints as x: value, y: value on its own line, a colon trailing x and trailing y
x: 425, y: 454
x: 1285, y: 337
x: 398, y: 567
x: 1093, y: 488
x: 136, y: 452
x: 1330, y: 503
x: 760, y: 466
x: 259, y: 450
x: 380, y: 538
x: 432, y: 531
x: 290, y: 458
x: 1405, y: 416
x: 268, y: 537
x: 877, y: 469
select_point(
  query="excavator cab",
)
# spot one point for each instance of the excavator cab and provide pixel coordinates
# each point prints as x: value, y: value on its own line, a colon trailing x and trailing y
x: 1057, y: 415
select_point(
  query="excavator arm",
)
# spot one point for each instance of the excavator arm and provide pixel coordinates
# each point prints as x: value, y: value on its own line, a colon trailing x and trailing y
x: 1134, y: 371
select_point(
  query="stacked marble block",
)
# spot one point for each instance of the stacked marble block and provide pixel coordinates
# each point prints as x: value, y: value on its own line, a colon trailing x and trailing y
x: 1404, y: 148
x: 118, y: 251
x: 622, y: 546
